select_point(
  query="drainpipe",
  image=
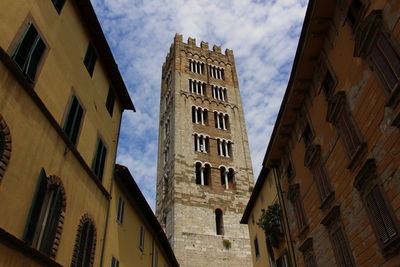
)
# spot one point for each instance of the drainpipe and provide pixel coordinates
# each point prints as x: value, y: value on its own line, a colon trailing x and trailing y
x: 288, y: 237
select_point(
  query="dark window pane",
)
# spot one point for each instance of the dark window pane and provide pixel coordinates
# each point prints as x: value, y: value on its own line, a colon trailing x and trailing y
x: 90, y: 59
x: 98, y: 163
x: 73, y: 121
x: 256, y: 248
x: 110, y: 101
x: 29, y: 52
x: 58, y: 4
x: 51, y: 225
x: 85, y: 245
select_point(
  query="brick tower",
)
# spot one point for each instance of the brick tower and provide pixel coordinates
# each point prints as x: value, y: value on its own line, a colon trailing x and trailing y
x: 204, y: 173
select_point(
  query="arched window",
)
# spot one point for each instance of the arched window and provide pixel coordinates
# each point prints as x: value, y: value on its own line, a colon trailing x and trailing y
x: 85, y: 243
x: 5, y: 145
x: 223, y: 175
x: 226, y: 119
x: 199, y: 172
x: 231, y: 177
x: 219, y: 222
x: 207, y: 174
x: 44, y: 225
x: 203, y: 173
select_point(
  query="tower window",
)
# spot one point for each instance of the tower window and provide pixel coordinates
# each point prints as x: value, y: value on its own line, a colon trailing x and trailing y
x: 216, y: 72
x: 165, y: 185
x: 221, y: 120
x: 199, y: 115
x: 120, y: 210
x: 29, y: 53
x: 201, y: 143
x: 90, y: 59
x: 196, y: 66
x: 197, y: 87
x: 47, y: 210
x: 218, y: 93
x: 203, y: 173
x: 110, y: 101
x: 227, y: 177
x: 99, y: 160
x: 58, y: 4
x: 219, y: 221
x: 224, y: 148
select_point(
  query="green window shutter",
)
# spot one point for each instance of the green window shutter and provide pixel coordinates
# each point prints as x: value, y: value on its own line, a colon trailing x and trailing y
x: 51, y: 224
x: 36, y: 207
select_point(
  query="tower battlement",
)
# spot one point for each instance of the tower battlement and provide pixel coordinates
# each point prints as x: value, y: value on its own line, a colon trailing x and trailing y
x: 203, y: 45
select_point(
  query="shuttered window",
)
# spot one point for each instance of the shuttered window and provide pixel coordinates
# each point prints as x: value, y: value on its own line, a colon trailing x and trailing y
x: 58, y: 4
x: 299, y: 212
x: 44, y: 216
x: 321, y: 180
x: 99, y: 160
x: 328, y: 84
x: 348, y: 129
x: 90, y: 59
x: 73, y: 120
x: 387, y: 62
x: 85, y: 246
x: 29, y: 53
x: 343, y: 254
x: 380, y: 214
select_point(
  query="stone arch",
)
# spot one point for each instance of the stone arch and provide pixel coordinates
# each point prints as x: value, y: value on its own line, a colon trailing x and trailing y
x: 86, y: 223
x: 5, y: 146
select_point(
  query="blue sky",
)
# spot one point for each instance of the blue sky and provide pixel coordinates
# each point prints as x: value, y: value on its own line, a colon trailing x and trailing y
x: 263, y: 35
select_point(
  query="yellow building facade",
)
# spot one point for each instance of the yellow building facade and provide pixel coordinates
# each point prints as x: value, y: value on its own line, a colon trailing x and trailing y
x: 134, y: 236
x: 265, y: 197
x: 61, y: 103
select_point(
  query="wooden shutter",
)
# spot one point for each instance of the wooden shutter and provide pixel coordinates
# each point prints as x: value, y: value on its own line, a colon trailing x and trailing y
x: 323, y: 184
x: 85, y: 246
x: 387, y: 61
x: 53, y: 218
x: 73, y: 121
x: 343, y: 255
x: 381, y: 216
x: 36, y: 207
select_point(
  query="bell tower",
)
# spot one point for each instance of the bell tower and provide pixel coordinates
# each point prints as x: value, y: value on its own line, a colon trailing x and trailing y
x: 204, y: 171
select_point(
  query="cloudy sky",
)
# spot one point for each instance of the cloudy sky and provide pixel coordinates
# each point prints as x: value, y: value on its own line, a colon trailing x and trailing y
x: 263, y: 35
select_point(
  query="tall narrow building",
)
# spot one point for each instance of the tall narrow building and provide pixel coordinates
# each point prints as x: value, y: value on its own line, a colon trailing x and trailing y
x: 204, y: 174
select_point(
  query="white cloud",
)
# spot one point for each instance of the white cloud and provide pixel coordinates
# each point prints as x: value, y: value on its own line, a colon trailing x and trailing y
x: 262, y: 34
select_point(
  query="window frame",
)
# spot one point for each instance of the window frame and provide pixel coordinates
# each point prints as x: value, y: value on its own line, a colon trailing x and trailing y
x: 5, y: 153
x: 86, y: 218
x: 110, y: 101
x: 142, y: 234
x: 90, y: 59
x: 58, y: 7
x: 365, y: 182
x: 76, y: 127
x: 98, y: 170
x: 16, y: 42
x: 120, y: 210
x: 256, y: 248
x: 294, y: 195
x: 114, y: 262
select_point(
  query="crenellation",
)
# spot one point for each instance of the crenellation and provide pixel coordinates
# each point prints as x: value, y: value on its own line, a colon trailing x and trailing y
x: 217, y: 49
x: 204, y: 45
